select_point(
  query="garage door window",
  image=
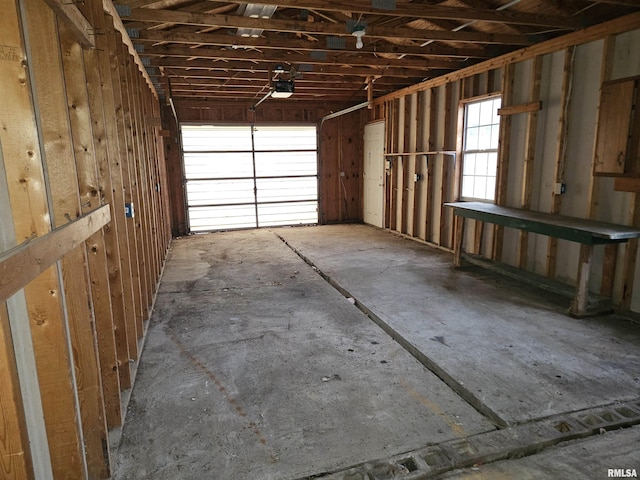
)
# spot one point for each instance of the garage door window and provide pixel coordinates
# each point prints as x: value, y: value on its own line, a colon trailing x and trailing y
x: 239, y: 177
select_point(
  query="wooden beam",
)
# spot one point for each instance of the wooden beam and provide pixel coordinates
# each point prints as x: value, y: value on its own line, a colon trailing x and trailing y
x: 294, y: 26
x: 595, y: 182
x: 263, y: 42
x: 523, y: 108
x: 75, y: 20
x: 260, y: 68
x: 297, y: 58
x: 561, y: 154
x: 504, y: 151
x: 627, y: 184
x: 24, y: 263
x: 432, y: 144
x: 590, y: 34
x: 530, y: 154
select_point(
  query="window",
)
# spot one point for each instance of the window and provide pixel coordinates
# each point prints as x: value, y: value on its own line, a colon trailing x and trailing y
x: 480, y: 149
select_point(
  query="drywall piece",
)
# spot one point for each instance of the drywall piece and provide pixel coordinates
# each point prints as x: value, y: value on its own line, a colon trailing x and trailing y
x: 626, y: 61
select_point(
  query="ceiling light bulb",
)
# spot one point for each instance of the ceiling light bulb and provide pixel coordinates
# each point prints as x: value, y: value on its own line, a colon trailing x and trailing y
x: 358, y: 34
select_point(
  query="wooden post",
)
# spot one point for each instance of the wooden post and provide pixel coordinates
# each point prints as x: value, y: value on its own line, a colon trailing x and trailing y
x: 411, y: 129
x: 450, y: 124
x: 579, y: 305
x: 458, y: 240
x: 504, y: 150
x: 610, y: 251
x: 530, y: 151
x: 20, y: 142
x: 565, y: 101
x: 422, y: 132
x: 434, y: 105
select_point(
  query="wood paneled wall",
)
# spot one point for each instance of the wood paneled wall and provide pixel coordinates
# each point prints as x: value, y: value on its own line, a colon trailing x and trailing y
x: 550, y: 97
x: 340, y: 149
x: 77, y: 144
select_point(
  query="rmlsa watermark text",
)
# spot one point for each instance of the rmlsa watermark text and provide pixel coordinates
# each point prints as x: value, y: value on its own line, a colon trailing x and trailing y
x: 622, y: 473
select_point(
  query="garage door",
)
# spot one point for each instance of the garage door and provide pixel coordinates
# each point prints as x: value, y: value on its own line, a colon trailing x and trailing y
x: 243, y: 177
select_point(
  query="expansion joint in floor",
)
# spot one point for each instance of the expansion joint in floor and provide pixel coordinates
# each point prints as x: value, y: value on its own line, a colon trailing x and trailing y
x: 428, y: 363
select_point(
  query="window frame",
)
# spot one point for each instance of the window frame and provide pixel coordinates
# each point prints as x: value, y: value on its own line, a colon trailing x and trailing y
x: 462, y: 152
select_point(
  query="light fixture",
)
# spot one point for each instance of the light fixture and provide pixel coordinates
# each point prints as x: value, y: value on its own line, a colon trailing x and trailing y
x: 278, y: 69
x: 358, y: 34
x: 282, y: 89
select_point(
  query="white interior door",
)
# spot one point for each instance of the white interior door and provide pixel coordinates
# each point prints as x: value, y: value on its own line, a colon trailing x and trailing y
x: 374, y: 173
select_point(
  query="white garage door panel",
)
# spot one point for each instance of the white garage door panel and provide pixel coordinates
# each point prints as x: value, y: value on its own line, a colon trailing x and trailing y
x: 219, y: 192
x: 206, y: 219
x: 232, y: 183
x: 225, y: 165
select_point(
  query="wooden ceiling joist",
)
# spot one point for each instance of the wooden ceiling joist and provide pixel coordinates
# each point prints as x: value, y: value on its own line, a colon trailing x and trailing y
x: 239, y: 42
x: 295, y: 26
x: 197, y: 45
x: 279, y: 56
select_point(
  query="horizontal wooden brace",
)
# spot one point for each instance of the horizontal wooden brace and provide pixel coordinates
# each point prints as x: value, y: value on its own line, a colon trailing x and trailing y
x: 75, y: 20
x: 434, y: 152
x: 522, y: 108
x: 627, y: 184
x: 22, y: 264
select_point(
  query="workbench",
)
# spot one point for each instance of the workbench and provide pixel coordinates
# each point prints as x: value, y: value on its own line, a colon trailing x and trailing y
x: 583, y: 231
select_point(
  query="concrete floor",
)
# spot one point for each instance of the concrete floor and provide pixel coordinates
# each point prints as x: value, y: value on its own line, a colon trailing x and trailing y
x: 393, y: 365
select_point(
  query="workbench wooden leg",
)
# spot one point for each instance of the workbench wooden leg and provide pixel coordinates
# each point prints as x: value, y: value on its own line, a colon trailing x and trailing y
x: 459, y: 234
x: 579, y: 305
